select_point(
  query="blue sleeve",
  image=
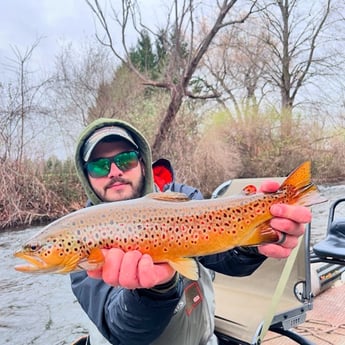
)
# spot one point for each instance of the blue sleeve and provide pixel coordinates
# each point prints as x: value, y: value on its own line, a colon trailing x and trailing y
x: 237, y: 262
x: 125, y: 316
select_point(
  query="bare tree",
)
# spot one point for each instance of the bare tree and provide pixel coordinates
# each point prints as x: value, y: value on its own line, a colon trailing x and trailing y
x: 79, y: 75
x: 186, y: 52
x: 237, y: 62
x: 20, y: 104
x: 288, y: 46
x: 301, y: 37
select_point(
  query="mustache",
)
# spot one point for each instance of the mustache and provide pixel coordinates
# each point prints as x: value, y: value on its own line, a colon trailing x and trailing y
x: 117, y: 180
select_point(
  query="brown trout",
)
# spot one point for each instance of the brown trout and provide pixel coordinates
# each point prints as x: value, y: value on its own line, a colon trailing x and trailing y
x: 168, y: 226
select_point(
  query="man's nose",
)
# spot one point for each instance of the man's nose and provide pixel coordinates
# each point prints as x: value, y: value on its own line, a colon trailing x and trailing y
x: 114, y: 170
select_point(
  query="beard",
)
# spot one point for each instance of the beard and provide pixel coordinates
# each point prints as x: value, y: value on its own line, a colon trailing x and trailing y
x: 138, y: 190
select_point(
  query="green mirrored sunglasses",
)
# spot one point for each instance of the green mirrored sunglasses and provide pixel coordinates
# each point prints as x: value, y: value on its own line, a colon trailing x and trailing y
x: 124, y: 161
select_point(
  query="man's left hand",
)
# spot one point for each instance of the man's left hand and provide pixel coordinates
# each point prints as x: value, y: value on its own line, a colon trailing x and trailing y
x: 288, y: 220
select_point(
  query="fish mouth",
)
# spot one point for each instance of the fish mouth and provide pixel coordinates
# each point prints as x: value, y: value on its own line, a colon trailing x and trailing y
x: 34, y: 264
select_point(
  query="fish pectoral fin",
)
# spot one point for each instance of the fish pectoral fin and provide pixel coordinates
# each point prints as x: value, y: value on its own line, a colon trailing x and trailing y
x: 168, y: 196
x: 262, y: 234
x: 188, y: 267
x: 94, y: 261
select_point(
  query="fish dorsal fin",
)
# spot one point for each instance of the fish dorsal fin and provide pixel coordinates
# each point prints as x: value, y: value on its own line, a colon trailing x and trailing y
x: 168, y: 196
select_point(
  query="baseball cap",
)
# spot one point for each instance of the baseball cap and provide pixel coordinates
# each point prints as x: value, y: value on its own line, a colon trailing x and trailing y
x: 101, y: 134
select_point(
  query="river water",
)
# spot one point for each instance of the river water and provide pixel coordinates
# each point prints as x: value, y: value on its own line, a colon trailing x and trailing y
x: 41, y: 309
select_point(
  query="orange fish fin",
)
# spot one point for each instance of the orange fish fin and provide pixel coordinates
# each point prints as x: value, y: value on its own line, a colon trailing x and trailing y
x: 262, y: 234
x: 168, y: 196
x: 306, y: 193
x: 249, y: 189
x: 188, y: 267
x: 299, y: 177
x: 94, y: 261
x: 70, y: 264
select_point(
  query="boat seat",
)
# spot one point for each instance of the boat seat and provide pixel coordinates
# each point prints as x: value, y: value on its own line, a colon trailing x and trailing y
x: 334, y: 243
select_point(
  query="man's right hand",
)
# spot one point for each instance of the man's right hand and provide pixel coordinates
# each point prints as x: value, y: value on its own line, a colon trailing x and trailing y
x: 132, y: 270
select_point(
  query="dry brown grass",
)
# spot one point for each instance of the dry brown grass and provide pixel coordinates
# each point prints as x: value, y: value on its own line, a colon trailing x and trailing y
x: 27, y: 197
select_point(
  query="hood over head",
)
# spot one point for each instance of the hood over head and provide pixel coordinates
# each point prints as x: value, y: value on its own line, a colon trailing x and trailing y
x: 100, y: 129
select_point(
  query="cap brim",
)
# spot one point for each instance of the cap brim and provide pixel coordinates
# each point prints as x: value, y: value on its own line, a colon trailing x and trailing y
x: 103, y: 133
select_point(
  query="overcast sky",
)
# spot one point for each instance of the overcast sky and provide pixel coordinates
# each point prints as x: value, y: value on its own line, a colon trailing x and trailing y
x: 54, y: 23
x: 23, y: 22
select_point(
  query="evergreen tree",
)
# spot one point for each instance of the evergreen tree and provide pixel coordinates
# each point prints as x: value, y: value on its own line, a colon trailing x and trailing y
x: 143, y: 57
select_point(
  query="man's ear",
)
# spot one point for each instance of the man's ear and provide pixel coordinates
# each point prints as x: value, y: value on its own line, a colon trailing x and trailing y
x: 142, y: 168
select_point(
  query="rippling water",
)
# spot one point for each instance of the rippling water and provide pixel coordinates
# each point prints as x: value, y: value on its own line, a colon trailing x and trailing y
x: 41, y: 309
x: 35, y: 309
x: 321, y: 212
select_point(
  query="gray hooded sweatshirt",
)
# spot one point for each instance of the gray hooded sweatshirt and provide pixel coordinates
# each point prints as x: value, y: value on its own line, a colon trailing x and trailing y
x: 180, y: 313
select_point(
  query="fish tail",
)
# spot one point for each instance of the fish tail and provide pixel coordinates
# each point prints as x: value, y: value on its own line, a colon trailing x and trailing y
x: 304, y: 192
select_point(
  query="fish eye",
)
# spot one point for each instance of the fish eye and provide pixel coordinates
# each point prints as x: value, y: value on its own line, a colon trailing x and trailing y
x: 32, y: 247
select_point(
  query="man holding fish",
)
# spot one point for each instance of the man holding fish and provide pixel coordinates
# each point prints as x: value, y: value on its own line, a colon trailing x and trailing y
x: 133, y: 300
x: 142, y: 262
